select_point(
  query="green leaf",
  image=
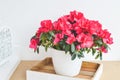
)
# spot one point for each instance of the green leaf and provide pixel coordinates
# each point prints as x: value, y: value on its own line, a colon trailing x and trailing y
x: 38, y: 50
x: 46, y: 47
x: 80, y: 56
x: 67, y: 48
x: 64, y: 46
x: 73, y: 56
x: 49, y: 37
x: 88, y: 50
x: 100, y: 55
x: 51, y: 33
x: 99, y: 42
x: 93, y: 51
x: 56, y: 47
x: 72, y: 48
x: 105, y: 45
x: 97, y: 56
x: 81, y: 53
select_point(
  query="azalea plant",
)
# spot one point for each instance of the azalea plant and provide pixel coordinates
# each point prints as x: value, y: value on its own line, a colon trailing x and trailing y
x: 74, y: 34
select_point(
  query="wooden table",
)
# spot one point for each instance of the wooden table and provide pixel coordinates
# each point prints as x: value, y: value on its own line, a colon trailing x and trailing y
x: 111, y: 70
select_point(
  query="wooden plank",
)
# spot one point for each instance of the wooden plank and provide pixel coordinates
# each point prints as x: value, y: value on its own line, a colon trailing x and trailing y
x: 87, y: 71
x: 84, y: 76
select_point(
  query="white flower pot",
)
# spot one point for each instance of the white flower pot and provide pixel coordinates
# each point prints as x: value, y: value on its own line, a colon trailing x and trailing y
x: 63, y: 64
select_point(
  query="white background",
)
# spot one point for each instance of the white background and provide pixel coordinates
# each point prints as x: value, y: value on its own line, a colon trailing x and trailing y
x: 24, y: 16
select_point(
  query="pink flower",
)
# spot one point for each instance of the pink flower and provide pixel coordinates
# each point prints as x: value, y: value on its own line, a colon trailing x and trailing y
x: 46, y: 25
x: 78, y: 29
x: 103, y: 49
x: 106, y: 37
x: 62, y: 24
x: 56, y: 26
x: 82, y: 23
x: 80, y: 37
x: 78, y: 47
x: 71, y: 39
x: 33, y: 44
x: 38, y: 33
x: 85, y: 40
x: 74, y: 15
x: 56, y: 40
x: 58, y: 37
x: 104, y: 34
x: 66, y: 32
x: 87, y: 44
x: 94, y: 27
x: 108, y: 40
x: 72, y: 30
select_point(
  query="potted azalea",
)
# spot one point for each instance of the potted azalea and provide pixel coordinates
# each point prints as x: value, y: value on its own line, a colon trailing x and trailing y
x: 74, y: 35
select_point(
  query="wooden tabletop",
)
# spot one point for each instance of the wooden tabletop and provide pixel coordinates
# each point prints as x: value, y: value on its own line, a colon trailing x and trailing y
x: 111, y: 70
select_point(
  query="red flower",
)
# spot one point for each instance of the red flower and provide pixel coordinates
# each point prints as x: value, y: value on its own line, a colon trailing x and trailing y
x: 78, y: 47
x: 38, y: 33
x: 58, y: 37
x: 66, y: 32
x: 85, y: 40
x: 80, y: 37
x: 105, y: 34
x: 106, y: 37
x: 72, y: 33
x: 46, y: 25
x: 33, y: 44
x: 56, y: 26
x: 103, y: 49
x: 74, y: 15
x: 87, y: 44
x: 94, y: 27
x: 78, y: 30
x: 62, y: 24
x: 71, y: 38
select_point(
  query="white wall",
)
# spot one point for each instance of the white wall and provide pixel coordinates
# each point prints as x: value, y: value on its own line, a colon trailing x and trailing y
x: 23, y: 17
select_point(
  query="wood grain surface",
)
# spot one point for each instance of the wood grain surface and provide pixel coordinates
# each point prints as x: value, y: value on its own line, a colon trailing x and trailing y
x: 87, y: 71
